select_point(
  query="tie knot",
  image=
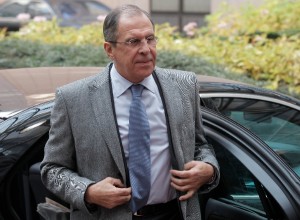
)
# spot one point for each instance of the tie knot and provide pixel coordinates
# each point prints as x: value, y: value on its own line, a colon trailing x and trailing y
x: 136, y: 90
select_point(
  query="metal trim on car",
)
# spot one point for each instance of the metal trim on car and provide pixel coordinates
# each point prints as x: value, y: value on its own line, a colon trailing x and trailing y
x: 248, y: 96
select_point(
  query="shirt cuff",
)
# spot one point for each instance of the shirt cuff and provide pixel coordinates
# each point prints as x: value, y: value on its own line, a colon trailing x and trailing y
x: 213, y: 178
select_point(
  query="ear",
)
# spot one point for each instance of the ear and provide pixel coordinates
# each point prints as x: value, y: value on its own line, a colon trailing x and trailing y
x: 109, y: 50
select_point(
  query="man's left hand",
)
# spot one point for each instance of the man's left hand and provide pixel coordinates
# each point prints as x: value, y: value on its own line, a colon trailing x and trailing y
x: 194, y: 175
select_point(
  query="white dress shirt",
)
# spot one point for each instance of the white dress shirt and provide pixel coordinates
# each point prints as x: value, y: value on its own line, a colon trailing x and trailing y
x: 161, y: 190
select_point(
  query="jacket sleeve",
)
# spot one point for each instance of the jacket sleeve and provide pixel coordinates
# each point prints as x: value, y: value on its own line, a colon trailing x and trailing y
x: 58, y: 168
x: 203, y: 150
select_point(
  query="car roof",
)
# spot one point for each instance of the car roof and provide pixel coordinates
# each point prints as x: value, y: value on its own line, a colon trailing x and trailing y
x: 25, y: 87
x: 217, y: 87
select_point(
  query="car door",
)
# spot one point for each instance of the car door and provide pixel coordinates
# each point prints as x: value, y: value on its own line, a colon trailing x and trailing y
x: 255, y: 182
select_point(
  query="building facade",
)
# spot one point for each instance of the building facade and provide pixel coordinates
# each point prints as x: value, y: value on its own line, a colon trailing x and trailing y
x: 180, y: 12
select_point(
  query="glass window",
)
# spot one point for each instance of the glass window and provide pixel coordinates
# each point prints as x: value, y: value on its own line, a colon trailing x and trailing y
x: 96, y: 9
x: 166, y: 5
x: 13, y: 10
x: 69, y: 10
x: 40, y: 9
x: 236, y: 183
x: 196, y: 6
x: 276, y: 124
x: 239, y: 188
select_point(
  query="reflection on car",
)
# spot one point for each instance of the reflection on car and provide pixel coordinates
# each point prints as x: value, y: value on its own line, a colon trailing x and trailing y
x: 15, y: 13
x: 274, y: 118
x: 255, y: 133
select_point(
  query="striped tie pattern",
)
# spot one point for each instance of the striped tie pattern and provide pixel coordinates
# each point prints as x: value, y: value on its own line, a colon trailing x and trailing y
x: 139, y: 150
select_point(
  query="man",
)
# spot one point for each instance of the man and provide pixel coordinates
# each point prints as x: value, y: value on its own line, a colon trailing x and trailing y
x: 89, y: 156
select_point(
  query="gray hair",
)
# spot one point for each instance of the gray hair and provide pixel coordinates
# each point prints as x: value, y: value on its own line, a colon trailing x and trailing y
x: 111, y: 22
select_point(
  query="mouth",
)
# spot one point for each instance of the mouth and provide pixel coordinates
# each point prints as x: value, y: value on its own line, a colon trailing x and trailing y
x: 144, y: 62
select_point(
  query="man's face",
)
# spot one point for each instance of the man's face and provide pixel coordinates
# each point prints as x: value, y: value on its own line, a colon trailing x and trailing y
x: 136, y: 61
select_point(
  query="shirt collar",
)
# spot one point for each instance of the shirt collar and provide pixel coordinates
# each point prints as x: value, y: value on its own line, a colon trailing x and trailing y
x: 120, y: 84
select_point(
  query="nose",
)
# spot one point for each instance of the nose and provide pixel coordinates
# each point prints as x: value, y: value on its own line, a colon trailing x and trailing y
x: 144, y: 46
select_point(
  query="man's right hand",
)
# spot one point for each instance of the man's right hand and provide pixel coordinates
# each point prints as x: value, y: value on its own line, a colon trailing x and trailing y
x: 108, y: 193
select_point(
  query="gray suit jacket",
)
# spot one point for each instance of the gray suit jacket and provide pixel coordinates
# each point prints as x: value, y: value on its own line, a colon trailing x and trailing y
x: 84, y: 145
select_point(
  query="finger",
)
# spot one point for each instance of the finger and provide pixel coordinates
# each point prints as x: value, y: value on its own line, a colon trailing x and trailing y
x: 124, y: 191
x: 189, y: 165
x: 182, y: 188
x: 179, y: 181
x: 126, y: 198
x: 186, y: 196
x: 116, y: 182
x: 179, y: 174
x: 123, y: 199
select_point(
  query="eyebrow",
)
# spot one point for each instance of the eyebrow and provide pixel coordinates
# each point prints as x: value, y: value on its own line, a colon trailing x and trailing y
x: 138, y: 38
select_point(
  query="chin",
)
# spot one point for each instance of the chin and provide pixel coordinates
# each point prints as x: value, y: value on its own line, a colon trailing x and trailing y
x: 147, y: 72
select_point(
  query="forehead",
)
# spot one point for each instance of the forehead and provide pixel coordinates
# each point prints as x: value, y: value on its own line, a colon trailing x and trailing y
x: 137, y: 25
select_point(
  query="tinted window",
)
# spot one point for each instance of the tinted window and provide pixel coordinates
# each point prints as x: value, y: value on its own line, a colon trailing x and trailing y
x: 277, y: 125
x: 240, y: 189
x: 39, y: 9
x: 12, y: 10
x: 74, y: 9
x: 70, y: 10
x: 96, y: 9
x: 237, y: 183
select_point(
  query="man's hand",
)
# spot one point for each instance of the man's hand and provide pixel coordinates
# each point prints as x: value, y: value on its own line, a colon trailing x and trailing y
x: 108, y: 193
x: 194, y: 175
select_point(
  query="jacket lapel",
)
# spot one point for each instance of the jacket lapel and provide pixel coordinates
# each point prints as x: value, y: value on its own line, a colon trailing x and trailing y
x: 101, y: 100
x: 173, y: 106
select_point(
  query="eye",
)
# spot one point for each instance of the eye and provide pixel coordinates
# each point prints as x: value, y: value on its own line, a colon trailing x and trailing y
x: 150, y: 38
x: 133, y: 42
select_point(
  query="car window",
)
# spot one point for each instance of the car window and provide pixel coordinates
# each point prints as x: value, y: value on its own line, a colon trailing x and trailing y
x: 237, y: 182
x: 12, y: 10
x: 238, y: 187
x: 276, y: 124
x: 69, y: 10
x: 39, y: 9
x: 96, y: 8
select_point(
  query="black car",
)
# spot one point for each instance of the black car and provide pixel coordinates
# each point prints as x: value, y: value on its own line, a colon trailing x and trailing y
x: 254, y: 132
x: 16, y: 13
